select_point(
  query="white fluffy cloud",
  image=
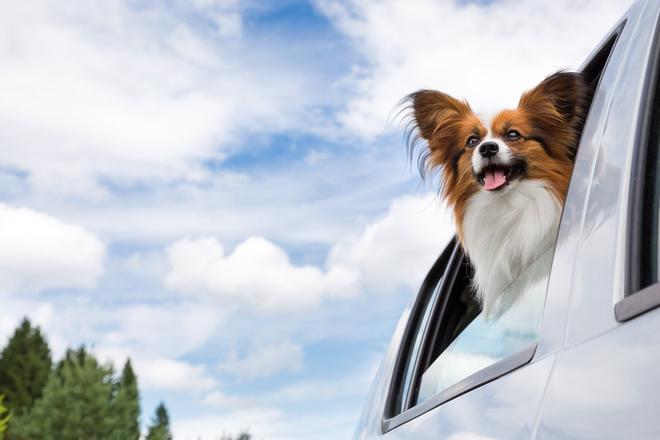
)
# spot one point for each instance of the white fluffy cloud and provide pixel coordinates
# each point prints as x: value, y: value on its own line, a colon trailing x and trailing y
x: 265, y: 361
x: 170, y: 374
x: 160, y: 373
x: 487, y: 52
x: 163, y: 330
x: 395, y: 251
x: 111, y: 90
x: 399, y: 248
x: 38, y: 251
x: 257, y: 273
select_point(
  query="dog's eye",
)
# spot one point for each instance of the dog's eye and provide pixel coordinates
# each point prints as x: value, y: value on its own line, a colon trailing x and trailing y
x: 472, y: 141
x: 513, y: 134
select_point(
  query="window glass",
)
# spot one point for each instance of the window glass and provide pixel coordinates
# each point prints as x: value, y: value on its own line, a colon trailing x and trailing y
x: 485, y: 341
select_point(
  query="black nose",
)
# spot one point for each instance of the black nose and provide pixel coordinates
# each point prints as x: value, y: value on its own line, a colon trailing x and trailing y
x: 488, y: 149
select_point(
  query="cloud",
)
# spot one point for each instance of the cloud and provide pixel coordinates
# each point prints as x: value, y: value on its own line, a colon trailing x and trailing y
x: 39, y: 252
x: 115, y: 92
x: 169, y: 374
x: 166, y: 329
x: 395, y: 251
x: 267, y: 423
x: 399, y: 248
x: 265, y: 361
x: 257, y: 273
x: 211, y: 426
x: 160, y: 373
x: 487, y: 52
x: 314, y: 156
x: 305, y: 391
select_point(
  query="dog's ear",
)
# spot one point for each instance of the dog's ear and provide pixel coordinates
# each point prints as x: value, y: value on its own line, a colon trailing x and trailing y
x: 557, y: 108
x: 434, y: 111
x: 437, y: 118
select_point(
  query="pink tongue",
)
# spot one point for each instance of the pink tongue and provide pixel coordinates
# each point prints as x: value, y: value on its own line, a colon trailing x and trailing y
x: 493, y: 180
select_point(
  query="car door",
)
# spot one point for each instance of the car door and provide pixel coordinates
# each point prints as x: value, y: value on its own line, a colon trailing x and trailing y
x: 605, y: 383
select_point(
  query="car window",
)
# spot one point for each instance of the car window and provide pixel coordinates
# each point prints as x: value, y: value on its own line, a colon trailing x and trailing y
x: 487, y: 340
x: 450, y: 340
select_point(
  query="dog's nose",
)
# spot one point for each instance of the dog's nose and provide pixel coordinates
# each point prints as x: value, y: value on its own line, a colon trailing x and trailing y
x: 488, y: 149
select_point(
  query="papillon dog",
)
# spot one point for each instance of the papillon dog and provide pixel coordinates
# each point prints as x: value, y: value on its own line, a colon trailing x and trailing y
x: 505, y: 179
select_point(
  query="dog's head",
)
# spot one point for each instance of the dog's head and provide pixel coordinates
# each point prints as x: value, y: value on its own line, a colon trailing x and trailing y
x: 536, y: 140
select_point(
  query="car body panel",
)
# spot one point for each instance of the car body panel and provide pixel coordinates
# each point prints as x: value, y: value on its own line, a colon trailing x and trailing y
x: 607, y: 387
x: 598, y: 280
x: 567, y: 250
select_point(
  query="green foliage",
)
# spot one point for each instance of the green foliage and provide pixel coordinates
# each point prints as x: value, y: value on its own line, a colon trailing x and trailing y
x: 160, y: 425
x: 78, y: 402
x: 4, y: 419
x: 78, y: 399
x: 25, y: 364
x: 127, y: 402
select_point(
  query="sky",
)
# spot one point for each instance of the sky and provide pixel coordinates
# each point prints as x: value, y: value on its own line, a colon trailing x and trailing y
x: 220, y: 189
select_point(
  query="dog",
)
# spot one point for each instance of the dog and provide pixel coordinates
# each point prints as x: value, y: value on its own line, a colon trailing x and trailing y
x: 505, y: 179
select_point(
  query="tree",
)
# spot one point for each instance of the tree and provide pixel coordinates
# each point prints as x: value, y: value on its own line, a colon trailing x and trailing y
x: 127, y: 402
x: 160, y: 425
x: 77, y: 403
x: 4, y: 419
x: 25, y: 364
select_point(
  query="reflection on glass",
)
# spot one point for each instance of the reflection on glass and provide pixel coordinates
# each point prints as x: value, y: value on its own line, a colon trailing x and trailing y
x: 485, y: 341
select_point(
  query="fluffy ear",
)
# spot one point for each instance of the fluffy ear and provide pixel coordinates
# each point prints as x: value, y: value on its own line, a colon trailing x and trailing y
x: 557, y: 108
x: 434, y: 110
x: 437, y: 117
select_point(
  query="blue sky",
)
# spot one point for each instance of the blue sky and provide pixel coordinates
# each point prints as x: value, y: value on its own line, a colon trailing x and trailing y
x: 218, y: 189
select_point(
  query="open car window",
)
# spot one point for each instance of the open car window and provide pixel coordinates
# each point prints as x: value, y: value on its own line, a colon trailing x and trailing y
x: 481, y: 341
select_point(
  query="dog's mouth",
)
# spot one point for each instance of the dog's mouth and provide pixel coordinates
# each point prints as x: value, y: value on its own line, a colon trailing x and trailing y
x: 496, y: 176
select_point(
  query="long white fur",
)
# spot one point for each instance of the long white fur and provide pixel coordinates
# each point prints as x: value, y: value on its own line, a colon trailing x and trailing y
x: 504, y: 232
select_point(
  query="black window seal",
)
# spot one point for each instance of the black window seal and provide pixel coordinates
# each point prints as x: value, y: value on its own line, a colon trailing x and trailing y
x: 637, y: 298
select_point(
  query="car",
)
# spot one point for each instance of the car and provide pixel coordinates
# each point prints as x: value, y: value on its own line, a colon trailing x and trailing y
x: 578, y: 356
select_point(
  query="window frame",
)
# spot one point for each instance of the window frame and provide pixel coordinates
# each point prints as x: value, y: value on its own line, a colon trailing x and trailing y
x: 639, y: 299
x: 440, y: 280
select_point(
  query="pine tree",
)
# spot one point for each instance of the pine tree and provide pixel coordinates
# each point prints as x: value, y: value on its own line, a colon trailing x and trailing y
x: 160, y: 425
x: 24, y: 367
x: 127, y: 403
x: 77, y: 403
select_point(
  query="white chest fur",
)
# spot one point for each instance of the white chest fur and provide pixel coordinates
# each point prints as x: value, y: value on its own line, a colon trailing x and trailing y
x: 503, y: 233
